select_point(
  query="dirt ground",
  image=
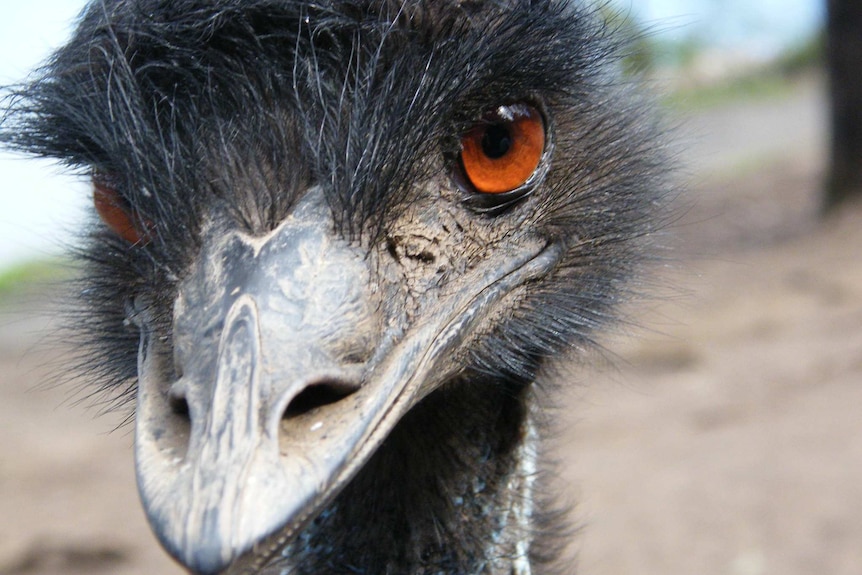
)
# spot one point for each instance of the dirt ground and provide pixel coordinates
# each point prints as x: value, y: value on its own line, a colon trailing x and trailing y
x: 721, y: 436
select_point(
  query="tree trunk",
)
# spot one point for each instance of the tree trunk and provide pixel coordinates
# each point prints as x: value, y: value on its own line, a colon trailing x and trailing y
x: 844, y: 61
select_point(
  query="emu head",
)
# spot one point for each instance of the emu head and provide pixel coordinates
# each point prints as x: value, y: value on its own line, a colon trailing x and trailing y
x: 314, y: 215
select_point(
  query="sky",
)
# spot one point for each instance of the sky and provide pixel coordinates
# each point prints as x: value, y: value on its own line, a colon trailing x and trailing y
x: 40, y: 207
x: 765, y: 26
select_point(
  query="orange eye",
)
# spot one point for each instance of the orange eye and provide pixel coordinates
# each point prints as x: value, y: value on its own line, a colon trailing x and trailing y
x: 115, y: 212
x: 500, y: 154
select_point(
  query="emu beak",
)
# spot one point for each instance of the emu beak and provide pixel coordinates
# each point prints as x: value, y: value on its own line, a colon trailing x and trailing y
x: 287, y: 369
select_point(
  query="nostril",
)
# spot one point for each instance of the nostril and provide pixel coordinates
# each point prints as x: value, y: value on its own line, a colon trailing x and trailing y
x: 318, y: 395
x: 178, y: 403
x: 172, y: 423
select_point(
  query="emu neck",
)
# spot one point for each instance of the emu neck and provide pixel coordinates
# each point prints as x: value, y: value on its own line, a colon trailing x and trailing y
x: 450, y: 492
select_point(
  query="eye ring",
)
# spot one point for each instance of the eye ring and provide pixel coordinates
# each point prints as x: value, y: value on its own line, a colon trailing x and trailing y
x: 115, y: 212
x: 502, y: 152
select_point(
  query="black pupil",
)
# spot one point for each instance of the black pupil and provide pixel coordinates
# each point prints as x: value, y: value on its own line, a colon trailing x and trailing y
x: 497, y: 141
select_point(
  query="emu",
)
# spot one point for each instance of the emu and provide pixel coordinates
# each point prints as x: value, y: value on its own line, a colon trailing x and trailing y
x: 333, y: 243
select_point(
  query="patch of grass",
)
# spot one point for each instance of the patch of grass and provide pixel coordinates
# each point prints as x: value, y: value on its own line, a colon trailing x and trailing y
x: 806, y: 56
x: 774, y: 79
x: 24, y: 277
x: 749, y: 87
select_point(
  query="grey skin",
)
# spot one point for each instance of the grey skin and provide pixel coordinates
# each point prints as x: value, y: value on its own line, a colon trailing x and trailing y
x: 258, y: 323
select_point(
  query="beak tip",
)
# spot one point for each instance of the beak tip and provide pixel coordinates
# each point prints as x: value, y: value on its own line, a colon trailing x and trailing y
x: 207, y: 558
x: 202, y: 551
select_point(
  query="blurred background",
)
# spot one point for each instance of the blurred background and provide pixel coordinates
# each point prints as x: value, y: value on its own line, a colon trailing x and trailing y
x: 719, y: 434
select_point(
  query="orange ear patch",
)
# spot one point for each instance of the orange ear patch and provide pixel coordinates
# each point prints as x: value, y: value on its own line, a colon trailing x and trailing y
x: 114, y: 212
x: 501, y: 153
